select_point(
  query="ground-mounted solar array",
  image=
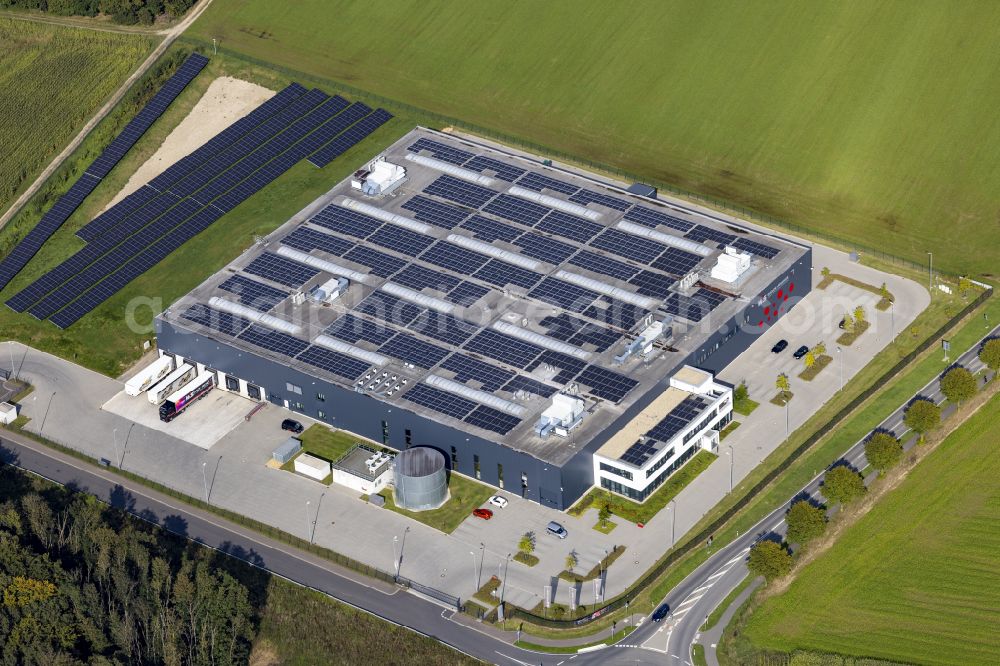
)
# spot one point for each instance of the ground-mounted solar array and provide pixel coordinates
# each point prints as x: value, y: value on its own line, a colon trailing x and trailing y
x: 485, y: 284
x: 146, y: 226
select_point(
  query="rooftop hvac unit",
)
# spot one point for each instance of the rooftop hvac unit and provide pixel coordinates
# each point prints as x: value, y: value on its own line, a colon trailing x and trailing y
x: 329, y: 291
x: 732, y: 264
x: 378, y: 178
x: 563, y: 415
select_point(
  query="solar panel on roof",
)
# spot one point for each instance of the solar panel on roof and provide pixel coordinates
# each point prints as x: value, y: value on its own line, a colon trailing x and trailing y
x: 387, y: 307
x: 468, y: 369
x: 466, y: 293
x: 492, y: 419
x: 350, y: 328
x: 654, y: 218
x: 404, y: 241
x: 454, y: 258
x: 503, y: 348
x: 695, y: 307
x: 378, y: 263
x: 652, y: 284
x: 503, y: 171
x: 217, y: 320
x: 409, y: 349
x: 678, y: 418
x: 334, y: 362
x: 435, y: 212
x: 548, y: 250
x: 529, y: 385
x: 676, y: 262
x: 443, y: 327
x: 702, y: 233
x: 604, y: 265
x: 578, y: 332
x: 275, y: 341
x: 278, y: 269
x: 640, y: 452
x: 502, y: 274
x: 440, y: 401
x: 606, y: 384
x: 587, y: 197
x: 637, y: 249
x: 489, y: 230
x: 570, y: 226
x: 419, y: 277
x: 307, y: 240
x: 459, y: 191
x: 440, y: 151
x: 616, y: 314
x: 538, y: 182
x: 252, y: 293
x: 517, y: 210
x: 564, y: 294
x: 568, y: 367
x: 760, y: 249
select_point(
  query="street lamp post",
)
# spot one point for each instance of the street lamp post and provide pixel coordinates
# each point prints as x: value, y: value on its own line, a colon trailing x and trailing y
x: 204, y: 479
x: 503, y: 588
x: 786, y: 416
x: 475, y: 579
x: 308, y: 531
x: 673, y: 520
x: 841, y: 356
x: 114, y: 439
x: 732, y: 463
x: 395, y: 558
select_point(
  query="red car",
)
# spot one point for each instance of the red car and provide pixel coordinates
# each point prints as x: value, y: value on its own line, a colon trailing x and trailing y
x: 485, y: 514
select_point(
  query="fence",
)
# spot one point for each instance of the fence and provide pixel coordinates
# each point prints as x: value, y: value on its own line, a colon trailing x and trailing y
x: 440, y: 120
x: 717, y: 525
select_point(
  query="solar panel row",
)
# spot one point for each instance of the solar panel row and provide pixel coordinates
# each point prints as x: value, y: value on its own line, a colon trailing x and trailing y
x: 351, y: 137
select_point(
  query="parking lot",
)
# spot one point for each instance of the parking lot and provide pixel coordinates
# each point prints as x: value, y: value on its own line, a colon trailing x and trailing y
x: 202, y: 424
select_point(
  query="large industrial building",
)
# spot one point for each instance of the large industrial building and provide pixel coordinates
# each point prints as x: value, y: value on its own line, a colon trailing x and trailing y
x: 514, y: 316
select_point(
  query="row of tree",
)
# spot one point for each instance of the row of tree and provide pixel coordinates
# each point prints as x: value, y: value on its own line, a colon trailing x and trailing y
x: 128, y: 12
x: 806, y: 520
x: 84, y: 583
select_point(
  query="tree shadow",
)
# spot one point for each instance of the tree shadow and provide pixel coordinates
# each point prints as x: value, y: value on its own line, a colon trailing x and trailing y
x: 120, y: 498
x: 176, y: 524
x: 13, y: 482
x: 919, y: 398
x: 804, y: 496
x: 844, y: 463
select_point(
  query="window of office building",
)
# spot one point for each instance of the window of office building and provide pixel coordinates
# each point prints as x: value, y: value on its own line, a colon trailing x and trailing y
x: 321, y: 397
x: 500, y: 475
x: 475, y: 464
x: 292, y: 388
x: 624, y: 473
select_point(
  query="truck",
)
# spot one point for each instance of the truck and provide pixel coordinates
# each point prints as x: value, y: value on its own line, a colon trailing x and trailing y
x: 149, y: 375
x: 186, y: 396
x: 171, y: 383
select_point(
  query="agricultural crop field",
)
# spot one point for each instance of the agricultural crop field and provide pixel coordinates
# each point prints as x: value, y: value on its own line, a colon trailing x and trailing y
x: 916, y: 579
x: 53, y: 80
x: 870, y: 122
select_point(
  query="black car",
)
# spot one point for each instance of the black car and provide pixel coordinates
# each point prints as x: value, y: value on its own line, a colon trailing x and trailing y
x: 660, y: 613
x: 779, y: 346
x: 292, y: 426
x: 801, y: 351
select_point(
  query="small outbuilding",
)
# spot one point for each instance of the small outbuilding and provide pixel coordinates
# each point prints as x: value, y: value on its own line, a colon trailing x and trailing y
x: 8, y: 413
x: 287, y: 450
x: 313, y: 467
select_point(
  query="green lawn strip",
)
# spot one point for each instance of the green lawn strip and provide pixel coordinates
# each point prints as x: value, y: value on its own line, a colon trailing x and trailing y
x: 526, y: 559
x: 104, y: 340
x: 302, y: 626
x: 464, y: 496
x: 596, y: 570
x: 698, y: 654
x: 813, y: 371
x: 848, y: 338
x: 619, y: 634
x: 716, y: 615
x: 745, y: 406
x: 641, y: 513
x: 728, y: 430
x: 782, y: 398
x: 485, y: 593
x: 904, y: 593
x: 605, y: 527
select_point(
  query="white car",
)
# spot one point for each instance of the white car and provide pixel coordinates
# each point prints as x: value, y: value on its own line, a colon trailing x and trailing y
x: 498, y: 501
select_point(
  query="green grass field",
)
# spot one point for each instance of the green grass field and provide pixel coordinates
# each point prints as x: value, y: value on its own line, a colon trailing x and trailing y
x: 915, y: 580
x: 110, y: 338
x: 465, y: 495
x: 53, y: 80
x: 872, y: 122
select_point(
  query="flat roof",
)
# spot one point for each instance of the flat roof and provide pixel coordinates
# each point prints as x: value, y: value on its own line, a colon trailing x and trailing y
x: 644, y: 421
x: 472, y: 303
x: 355, y: 462
x: 693, y: 376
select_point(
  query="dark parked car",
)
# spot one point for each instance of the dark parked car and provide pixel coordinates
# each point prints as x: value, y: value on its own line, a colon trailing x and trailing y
x: 843, y: 323
x: 779, y: 346
x: 660, y: 613
x: 801, y: 351
x: 292, y: 426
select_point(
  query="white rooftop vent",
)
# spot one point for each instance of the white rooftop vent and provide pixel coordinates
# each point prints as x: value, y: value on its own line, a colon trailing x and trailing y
x: 416, y: 297
x: 493, y: 251
x: 552, y: 202
x: 478, y: 396
x: 645, y: 302
x: 255, y: 315
x: 383, y: 177
x: 731, y: 265
x: 667, y: 239
x: 451, y: 169
x: 336, y: 345
x: 565, y: 413
x: 541, y: 340
x: 321, y: 264
x: 385, y: 216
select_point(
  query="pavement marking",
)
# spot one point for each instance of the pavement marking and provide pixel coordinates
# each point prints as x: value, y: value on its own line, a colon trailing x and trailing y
x: 716, y: 575
x: 689, y: 600
x: 705, y: 587
x: 516, y: 661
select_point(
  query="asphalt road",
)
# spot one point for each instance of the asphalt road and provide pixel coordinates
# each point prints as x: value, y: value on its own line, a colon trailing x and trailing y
x: 651, y: 643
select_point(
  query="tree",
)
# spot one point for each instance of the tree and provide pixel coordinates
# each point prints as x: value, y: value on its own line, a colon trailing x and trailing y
x: 884, y: 291
x: 810, y: 358
x: 741, y: 392
x: 527, y: 543
x: 572, y: 560
x: 883, y: 451
x: 769, y: 559
x: 604, y: 513
x: 819, y: 349
x: 958, y: 384
x: 826, y: 272
x: 842, y: 485
x: 805, y: 522
x: 989, y: 354
x: 922, y: 416
x: 859, y: 314
x: 848, y: 323
x: 782, y: 383
x: 964, y: 285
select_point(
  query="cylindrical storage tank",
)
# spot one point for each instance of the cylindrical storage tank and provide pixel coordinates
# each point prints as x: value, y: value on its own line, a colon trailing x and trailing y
x: 420, y: 479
